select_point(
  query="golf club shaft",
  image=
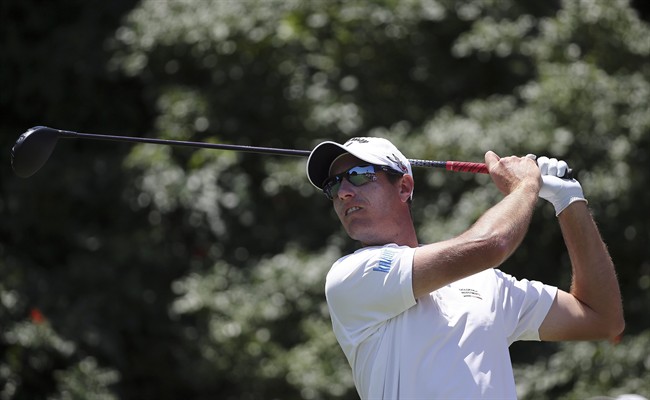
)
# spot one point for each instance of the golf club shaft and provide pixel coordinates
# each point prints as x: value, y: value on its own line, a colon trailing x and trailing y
x: 456, y: 166
x: 214, y: 146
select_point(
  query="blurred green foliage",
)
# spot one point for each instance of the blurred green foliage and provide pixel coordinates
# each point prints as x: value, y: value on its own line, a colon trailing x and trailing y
x: 148, y: 272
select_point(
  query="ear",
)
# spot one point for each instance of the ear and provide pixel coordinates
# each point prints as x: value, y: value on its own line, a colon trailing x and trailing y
x: 406, y: 186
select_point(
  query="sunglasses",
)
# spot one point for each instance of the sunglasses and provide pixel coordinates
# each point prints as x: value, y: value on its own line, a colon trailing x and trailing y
x: 357, y: 176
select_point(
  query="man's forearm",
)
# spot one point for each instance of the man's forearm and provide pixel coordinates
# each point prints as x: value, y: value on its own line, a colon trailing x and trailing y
x: 508, y: 221
x: 594, y: 280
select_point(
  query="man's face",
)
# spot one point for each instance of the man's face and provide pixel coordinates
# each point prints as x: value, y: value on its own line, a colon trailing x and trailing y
x: 371, y: 213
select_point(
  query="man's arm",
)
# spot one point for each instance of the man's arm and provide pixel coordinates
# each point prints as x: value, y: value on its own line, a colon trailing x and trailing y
x: 593, y: 308
x: 492, y: 239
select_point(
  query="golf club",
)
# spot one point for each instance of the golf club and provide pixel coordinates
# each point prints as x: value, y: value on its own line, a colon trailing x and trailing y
x: 34, y: 147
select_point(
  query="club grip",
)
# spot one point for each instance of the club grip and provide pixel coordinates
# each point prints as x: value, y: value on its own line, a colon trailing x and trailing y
x: 480, y: 168
x: 465, y: 166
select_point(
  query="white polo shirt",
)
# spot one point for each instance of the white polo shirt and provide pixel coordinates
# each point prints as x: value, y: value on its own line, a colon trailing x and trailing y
x: 451, y: 344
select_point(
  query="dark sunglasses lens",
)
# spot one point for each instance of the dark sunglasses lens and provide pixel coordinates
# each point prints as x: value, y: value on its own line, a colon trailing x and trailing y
x: 331, y: 187
x: 361, y: 179
x: 356, y: 175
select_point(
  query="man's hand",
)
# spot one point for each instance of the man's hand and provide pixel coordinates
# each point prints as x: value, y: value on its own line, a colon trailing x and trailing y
x: 559, y: 192
x: 509, y: 173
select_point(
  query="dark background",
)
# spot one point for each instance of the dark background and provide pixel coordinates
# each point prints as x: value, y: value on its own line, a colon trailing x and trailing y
x: 144, y: 272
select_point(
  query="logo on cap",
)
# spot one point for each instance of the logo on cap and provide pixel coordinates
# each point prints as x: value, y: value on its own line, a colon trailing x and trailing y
x: 356, y: 139
x: 399, y: 163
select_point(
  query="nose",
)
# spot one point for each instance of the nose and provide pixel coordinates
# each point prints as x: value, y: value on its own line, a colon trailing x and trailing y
x: 346, y: 189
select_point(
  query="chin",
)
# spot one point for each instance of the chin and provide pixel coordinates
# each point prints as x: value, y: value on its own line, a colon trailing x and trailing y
x: 365, y: 239
x: 363, y: 232
x: 356, y: 235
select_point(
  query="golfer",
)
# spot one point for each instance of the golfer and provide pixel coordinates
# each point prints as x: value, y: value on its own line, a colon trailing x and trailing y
x: 434, y: 321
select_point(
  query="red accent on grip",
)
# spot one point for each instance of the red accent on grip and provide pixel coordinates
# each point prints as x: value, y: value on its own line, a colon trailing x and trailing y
x: 463, y: 166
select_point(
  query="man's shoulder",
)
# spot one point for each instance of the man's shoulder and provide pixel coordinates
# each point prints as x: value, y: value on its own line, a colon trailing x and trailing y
x: 370, y: 258
x: 368, y: 253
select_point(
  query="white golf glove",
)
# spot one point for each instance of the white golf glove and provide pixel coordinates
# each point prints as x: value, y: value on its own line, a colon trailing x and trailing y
x: 559, y: 192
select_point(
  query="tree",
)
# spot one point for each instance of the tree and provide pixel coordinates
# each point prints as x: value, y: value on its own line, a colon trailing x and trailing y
x: 167, y: 273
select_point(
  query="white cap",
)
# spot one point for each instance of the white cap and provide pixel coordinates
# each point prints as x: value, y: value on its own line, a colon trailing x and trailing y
x: 376, y: 151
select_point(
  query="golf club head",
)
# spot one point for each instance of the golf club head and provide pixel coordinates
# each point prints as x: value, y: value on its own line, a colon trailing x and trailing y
x: 32, y: 150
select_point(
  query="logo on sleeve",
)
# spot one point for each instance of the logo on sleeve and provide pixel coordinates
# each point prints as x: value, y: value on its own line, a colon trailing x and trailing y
x: 385, y: 260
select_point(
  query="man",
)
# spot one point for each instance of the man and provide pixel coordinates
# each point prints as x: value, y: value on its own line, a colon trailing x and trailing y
x: 434, y: 321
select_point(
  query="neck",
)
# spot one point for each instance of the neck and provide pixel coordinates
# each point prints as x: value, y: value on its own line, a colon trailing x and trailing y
x: 404, y: 236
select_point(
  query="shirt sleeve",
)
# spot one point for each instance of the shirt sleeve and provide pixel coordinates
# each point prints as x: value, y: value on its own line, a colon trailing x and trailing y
x: 525, y: 305
x: 369, y: 287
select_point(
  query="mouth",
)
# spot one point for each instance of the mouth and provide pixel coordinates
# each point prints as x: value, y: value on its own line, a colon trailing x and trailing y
x: 352, y: 210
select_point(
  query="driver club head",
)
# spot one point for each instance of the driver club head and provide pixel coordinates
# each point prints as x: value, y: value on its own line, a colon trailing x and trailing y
x: 32, y: 150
